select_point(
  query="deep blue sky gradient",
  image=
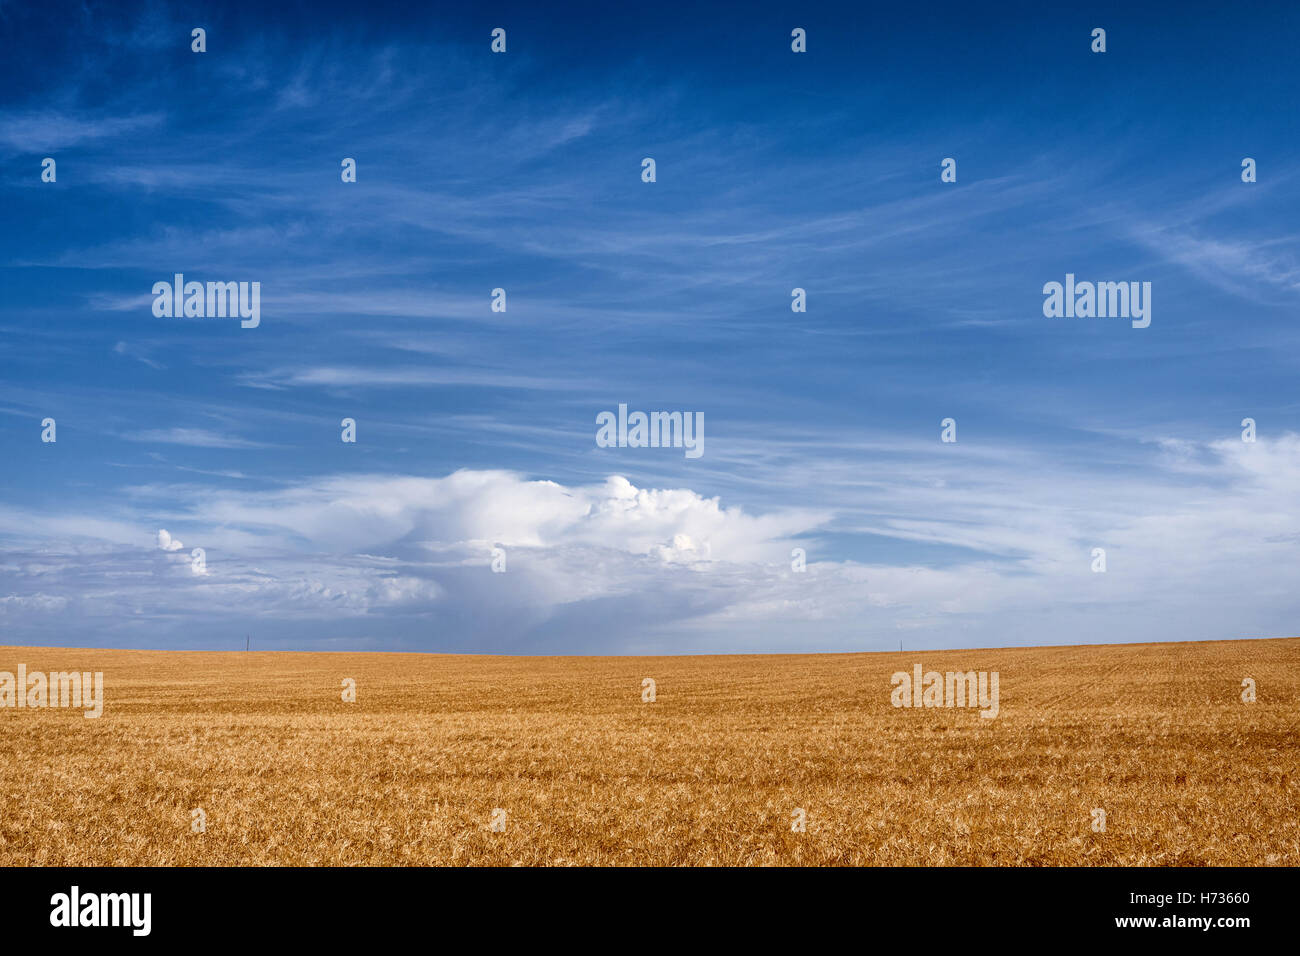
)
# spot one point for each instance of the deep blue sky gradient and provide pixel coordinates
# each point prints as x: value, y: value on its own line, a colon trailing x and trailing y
x: 775, y: 170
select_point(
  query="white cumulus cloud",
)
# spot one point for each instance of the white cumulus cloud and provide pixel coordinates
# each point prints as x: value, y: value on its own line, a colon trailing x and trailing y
x: 167, y: 542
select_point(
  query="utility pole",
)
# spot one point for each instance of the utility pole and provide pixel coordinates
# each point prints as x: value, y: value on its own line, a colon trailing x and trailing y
x: 247, y: 639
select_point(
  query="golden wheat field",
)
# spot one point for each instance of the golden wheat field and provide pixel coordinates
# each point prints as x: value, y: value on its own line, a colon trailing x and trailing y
x: 711, y: 772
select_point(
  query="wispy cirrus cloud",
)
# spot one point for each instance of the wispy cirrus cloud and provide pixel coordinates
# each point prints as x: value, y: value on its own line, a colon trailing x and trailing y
x: 1249, y: 267
x: 194, y: 437
x: 33, y: 131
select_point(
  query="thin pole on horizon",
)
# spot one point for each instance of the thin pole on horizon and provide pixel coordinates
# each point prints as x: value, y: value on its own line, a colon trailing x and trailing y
x: 248, y: 640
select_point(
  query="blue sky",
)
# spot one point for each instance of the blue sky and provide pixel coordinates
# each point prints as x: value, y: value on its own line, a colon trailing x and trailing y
x: 522, y: 171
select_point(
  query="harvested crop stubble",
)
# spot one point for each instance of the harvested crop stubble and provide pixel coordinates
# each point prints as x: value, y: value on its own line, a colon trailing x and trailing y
x: 711, y: 772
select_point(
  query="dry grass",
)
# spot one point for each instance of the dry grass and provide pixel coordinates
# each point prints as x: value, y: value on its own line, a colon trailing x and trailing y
x: 710, y: 773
